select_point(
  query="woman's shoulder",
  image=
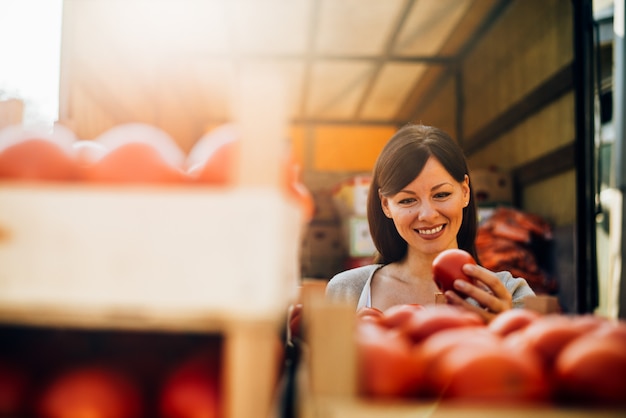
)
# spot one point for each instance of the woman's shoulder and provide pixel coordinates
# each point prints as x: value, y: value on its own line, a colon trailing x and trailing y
x: 348, y: 284
x: 356, y: 273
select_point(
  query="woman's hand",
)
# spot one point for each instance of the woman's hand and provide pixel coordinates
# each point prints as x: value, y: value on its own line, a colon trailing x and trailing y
x: 488, y: 291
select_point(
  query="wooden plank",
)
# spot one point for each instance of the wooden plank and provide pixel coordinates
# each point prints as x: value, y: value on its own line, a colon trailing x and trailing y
x: 550, y: 90
x: 108, y: 250
x: 332, y: 350
x: 558, y: 161
x: 251, y: 359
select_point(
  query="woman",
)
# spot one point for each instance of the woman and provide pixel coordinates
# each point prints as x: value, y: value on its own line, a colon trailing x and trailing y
x: 420, y: 203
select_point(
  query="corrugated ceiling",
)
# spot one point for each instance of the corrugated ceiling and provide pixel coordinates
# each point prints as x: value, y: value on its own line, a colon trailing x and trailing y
x: 173, y: 63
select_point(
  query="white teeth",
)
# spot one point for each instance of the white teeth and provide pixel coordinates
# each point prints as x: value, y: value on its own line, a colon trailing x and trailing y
x: 430, y: 231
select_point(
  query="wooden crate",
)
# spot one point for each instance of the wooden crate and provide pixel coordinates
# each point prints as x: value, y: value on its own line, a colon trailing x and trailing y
x: 214, y: 260
x: 247, y: 354
x: 149, y: 253
x: 328, y: 386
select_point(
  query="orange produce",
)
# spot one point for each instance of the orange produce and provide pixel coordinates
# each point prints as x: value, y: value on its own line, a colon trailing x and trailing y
x: 130, y: 133
x: 215, y: 156
x: 512, y: 320
x: 91, y: 391
x: 388, y: 363
x: 489, y: 373
x: 592, y: 369
x: 136, y: 153
x: 438, y: 344
x: 192, y: 389
x: 133, y: 162
x: 447, y: 267
x: 434, y: 318
x: 370, y: 312
x: 14, y: 383
x: 549, y: 334
x: 37, y: 158
x: 397, y: 315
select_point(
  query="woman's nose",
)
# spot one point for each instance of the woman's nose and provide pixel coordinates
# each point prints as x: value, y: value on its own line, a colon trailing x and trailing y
x: 425, y: 211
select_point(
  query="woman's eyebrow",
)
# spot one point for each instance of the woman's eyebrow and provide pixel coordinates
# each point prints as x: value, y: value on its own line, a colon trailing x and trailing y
x: 435, y: 187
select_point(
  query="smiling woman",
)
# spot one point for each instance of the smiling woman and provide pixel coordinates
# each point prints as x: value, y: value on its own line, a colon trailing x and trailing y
x: 420, y: 204
x: 30, y: 31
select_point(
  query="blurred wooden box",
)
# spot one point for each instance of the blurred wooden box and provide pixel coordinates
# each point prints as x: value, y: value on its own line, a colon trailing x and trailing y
x: 178, y: 259
x: 149, y: 252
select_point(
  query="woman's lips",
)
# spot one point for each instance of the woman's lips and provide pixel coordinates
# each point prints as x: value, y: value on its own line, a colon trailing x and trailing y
x: 431, y: 233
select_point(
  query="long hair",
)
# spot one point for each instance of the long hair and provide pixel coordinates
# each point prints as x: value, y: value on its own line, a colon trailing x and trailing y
x: 399, y: 163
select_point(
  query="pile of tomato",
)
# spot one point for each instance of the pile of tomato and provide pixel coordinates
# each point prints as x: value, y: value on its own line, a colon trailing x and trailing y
x: 132, y: 153
x: 520, y: 357
x: 60, y: 373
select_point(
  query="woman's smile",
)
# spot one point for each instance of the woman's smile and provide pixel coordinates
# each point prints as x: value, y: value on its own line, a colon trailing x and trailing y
x: 430, y: 233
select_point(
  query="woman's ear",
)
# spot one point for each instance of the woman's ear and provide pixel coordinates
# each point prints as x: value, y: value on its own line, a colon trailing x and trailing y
x: 466, y: 188
x: 384, y: 204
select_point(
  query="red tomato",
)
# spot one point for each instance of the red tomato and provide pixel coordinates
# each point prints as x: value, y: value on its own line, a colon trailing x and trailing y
x: 447, y: 267
x: 592, y: 370
x: 13, y: 390
x: 548, y: 335
x: 133, y: 162
x: 397, y: 315
x: 434, y: 347
x: 611, y: 329
x: 96, y: 392
x: 214, y: 157
x: 131, y: 133
x: 434, y: 318
x: 192, y: 389
x: 31, y: 156
x: 512, y: 320
x: 387, y: 363
x: 370, y: 312
x: 489, y: 373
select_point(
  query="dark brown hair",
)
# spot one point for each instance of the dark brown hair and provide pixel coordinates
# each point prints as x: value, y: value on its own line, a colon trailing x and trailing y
x: 399, y: 163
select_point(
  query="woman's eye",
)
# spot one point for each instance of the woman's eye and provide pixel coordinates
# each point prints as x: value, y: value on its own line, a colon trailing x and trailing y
x: 406, y: 201
x: 442, y: 195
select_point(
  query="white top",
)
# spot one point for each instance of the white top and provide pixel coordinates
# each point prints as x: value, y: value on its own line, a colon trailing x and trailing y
x: 355, y: 285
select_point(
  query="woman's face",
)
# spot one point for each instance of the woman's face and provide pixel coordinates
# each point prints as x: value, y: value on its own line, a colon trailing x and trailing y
x: 428, y: 212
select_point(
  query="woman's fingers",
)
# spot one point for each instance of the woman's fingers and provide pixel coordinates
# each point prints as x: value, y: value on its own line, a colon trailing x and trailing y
x: 492, y: 286
x: 488, y: 291
x: 453, y: 298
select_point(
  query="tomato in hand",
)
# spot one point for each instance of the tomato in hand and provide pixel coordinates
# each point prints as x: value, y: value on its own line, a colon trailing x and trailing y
x: 447, y: 267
